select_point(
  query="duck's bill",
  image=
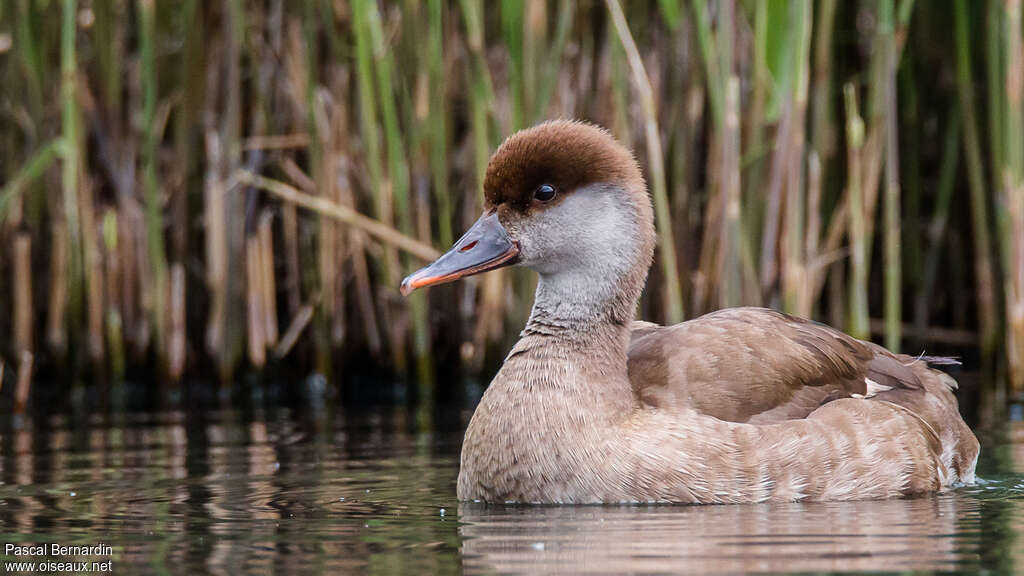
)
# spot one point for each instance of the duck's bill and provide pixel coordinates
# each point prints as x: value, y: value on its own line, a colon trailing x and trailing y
x: 485, y: 246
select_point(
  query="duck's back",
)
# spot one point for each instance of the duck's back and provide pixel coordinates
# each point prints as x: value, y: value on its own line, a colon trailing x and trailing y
x: 763, y: 367
x: 758, y: 365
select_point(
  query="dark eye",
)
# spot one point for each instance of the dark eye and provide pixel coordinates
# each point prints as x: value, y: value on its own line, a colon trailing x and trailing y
x: 544, y: 192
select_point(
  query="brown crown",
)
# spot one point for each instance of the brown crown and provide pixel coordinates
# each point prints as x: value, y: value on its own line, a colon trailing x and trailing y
x: 563, y: 153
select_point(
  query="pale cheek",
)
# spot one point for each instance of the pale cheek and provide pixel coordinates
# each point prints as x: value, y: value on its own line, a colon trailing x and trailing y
x: 519, y: 231
x: 556, y: 235
x: 535, y: 247
x: 589, y: 230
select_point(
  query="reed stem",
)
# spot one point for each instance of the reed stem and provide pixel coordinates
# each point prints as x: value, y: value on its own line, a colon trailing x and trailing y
x: 859, y: 326
x: 674, y: 295
x: 983, y: 270
x: 382, y: 232
x: 438, y: 124
x: 32, y: 171
x: 795, y: 296
x: 893, y: 264
x: 1011, y: 221
x: 71, y: 158
x: 150, y: 185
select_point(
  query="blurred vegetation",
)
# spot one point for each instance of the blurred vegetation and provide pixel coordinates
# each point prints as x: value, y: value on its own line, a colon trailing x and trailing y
x: 192, y: 187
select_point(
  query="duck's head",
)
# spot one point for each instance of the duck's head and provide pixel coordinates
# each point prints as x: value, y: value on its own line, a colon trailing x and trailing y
x: 563, y: 198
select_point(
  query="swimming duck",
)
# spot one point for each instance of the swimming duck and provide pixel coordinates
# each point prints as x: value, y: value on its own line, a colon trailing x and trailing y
x: 739, y: 405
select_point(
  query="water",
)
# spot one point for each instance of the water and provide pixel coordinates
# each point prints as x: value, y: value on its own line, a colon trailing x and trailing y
x: 230, y: 492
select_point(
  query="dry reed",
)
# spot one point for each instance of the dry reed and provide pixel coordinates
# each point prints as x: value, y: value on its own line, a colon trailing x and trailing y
x: 272, y: 170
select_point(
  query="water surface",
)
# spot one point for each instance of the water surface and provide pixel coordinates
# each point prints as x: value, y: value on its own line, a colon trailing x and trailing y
x: 236, y: 491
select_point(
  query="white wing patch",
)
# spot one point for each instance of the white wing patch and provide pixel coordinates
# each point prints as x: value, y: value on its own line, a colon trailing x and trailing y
x: 874, y: 387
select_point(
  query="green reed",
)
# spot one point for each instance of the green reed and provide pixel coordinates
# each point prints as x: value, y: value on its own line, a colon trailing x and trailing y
x: 775, y: 137
x: 984, y: 275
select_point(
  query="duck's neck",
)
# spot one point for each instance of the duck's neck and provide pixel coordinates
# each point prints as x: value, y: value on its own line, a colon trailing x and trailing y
x: 575, y: 342
x: 573, y: 307
x: 592, y: 298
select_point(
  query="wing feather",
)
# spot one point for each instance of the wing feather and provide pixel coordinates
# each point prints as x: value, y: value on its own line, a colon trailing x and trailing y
x: 757, y: 365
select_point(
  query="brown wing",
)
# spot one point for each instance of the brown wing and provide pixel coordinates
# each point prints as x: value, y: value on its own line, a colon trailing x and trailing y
x: 757, y: 365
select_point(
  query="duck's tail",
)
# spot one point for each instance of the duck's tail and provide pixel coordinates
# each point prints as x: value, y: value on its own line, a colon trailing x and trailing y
x: 936, y: 404
x: 938, y: 360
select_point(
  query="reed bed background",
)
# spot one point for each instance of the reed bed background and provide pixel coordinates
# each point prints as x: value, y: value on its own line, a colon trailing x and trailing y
x: 214, y: 187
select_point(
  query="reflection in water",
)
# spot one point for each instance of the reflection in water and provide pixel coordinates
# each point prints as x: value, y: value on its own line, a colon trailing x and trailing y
x: 231, y: 492
x: 217, y: 493
x: 922, y: 534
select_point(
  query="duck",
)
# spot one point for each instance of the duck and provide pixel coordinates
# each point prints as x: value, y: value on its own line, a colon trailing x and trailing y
x: 740, y: 405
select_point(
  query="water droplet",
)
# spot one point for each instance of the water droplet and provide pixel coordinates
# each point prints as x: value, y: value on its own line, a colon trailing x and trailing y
x: 442, y: 511
x: 74, y: 493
